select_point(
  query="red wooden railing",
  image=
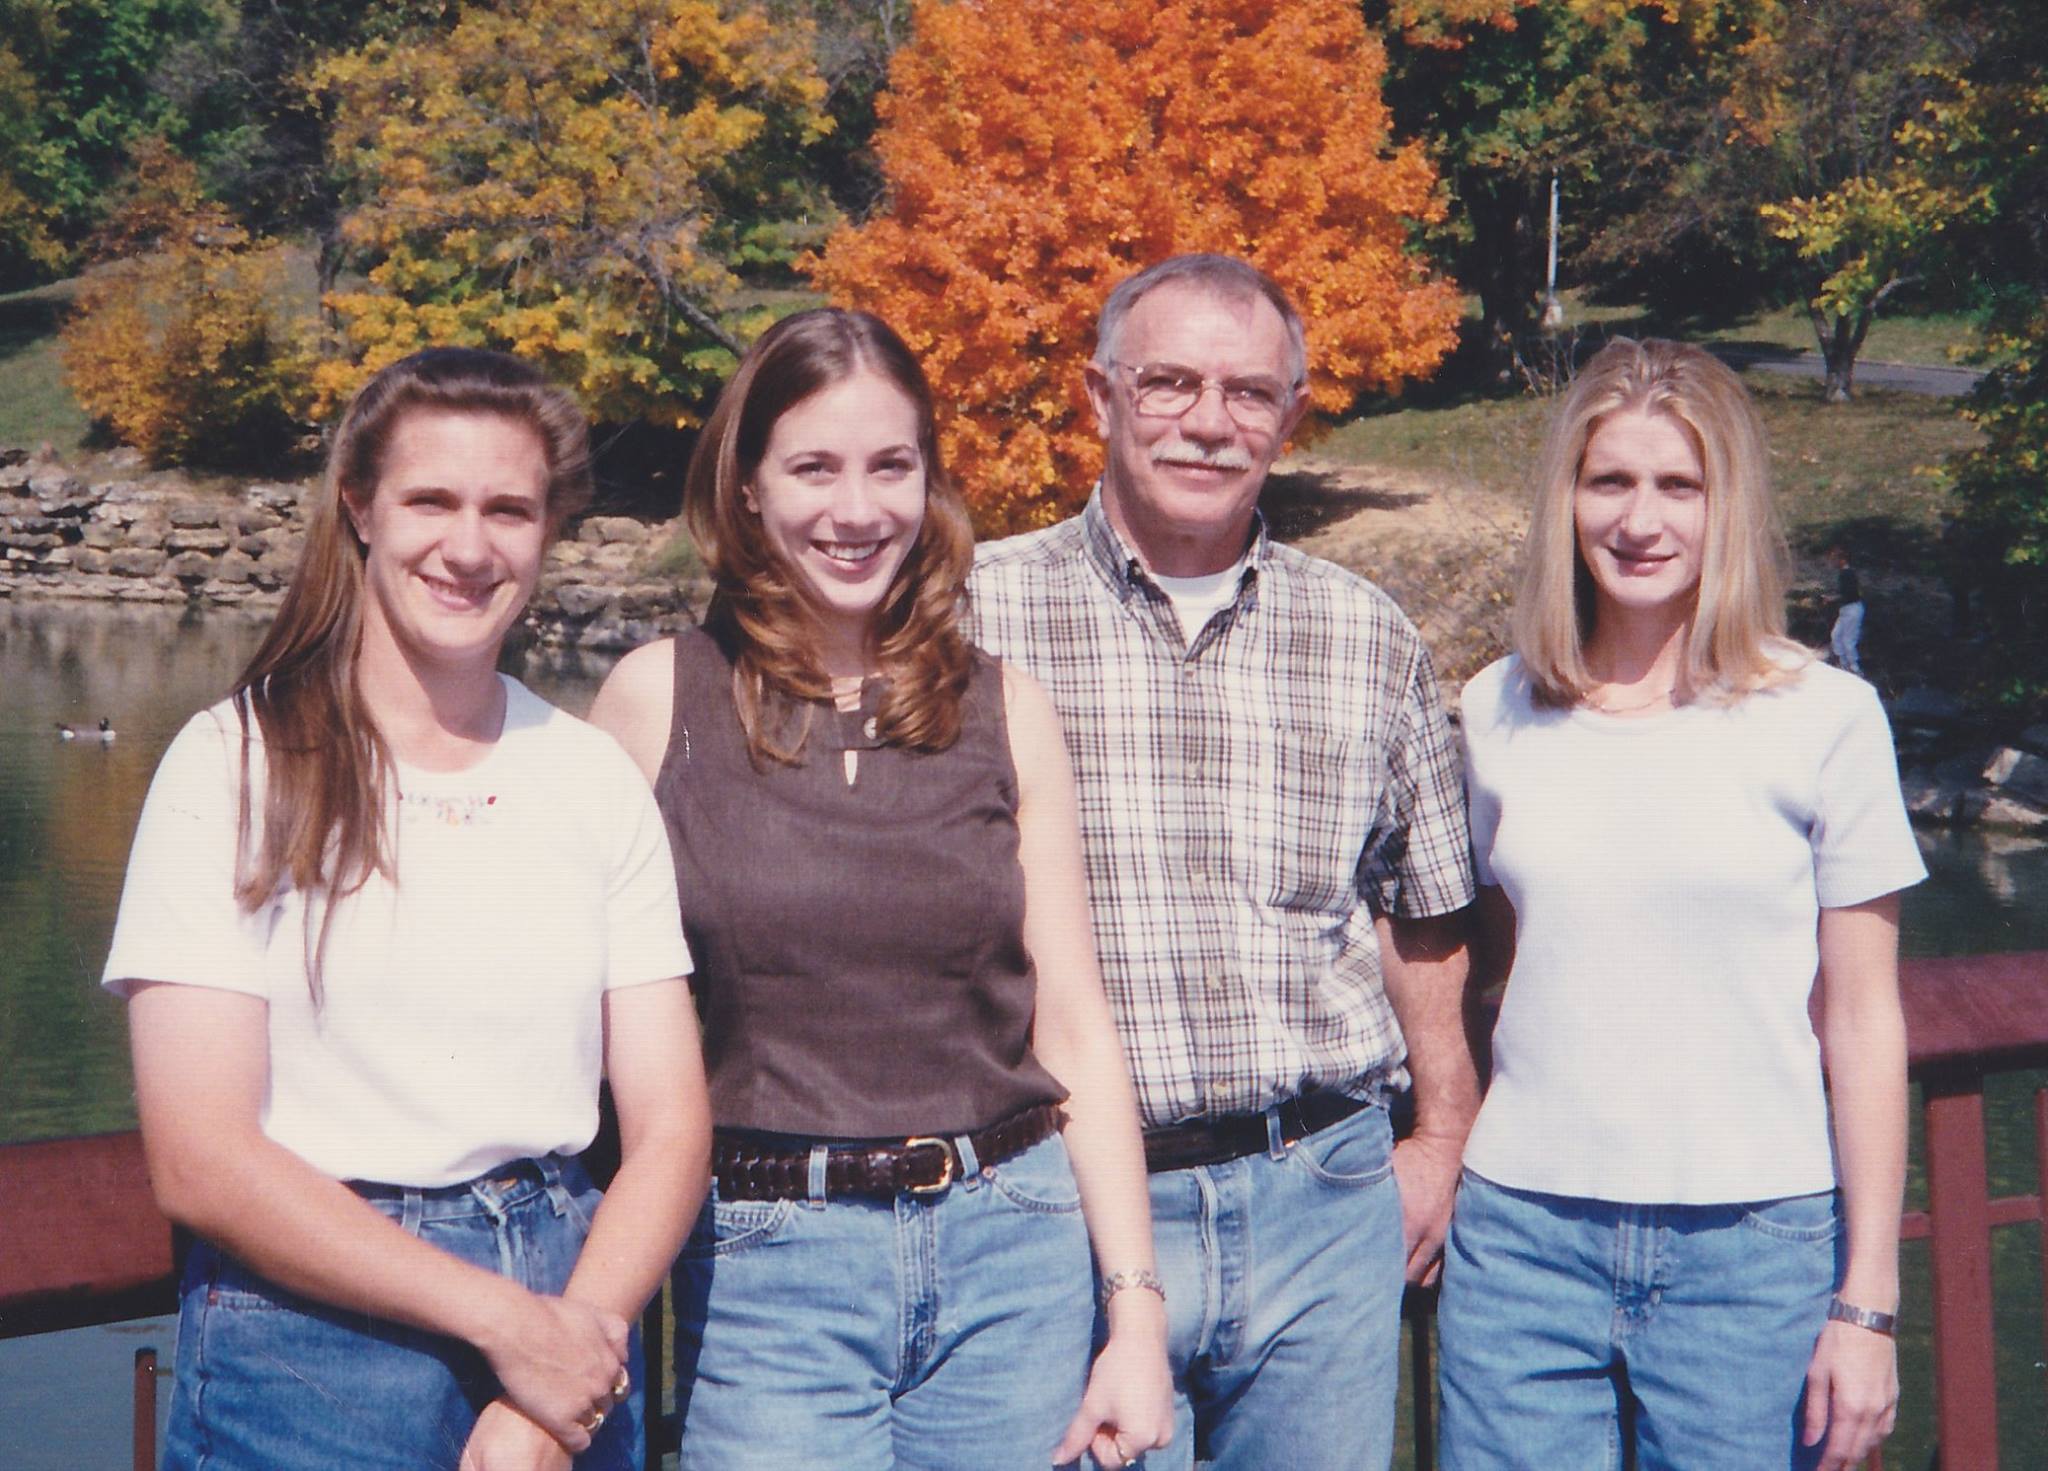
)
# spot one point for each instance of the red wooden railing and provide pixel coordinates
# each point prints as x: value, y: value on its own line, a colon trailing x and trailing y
x: 81, y: 1241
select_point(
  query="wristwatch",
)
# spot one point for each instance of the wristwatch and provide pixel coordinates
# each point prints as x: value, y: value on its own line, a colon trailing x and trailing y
x: 1847, y: 1312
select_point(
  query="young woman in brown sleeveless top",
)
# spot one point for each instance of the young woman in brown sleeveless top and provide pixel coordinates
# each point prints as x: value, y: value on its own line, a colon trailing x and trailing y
x: 923, y: 1115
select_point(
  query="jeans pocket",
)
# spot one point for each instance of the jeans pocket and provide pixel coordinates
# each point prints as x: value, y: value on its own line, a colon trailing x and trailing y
x: 1352, y: 1154
x: 1802, y: 1218
x: 726, y: 1226
x: 1040, y: 1179
x: 223, y: 1282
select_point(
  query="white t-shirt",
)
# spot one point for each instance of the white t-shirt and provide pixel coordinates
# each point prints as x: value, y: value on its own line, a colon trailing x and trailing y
x: 1667, y: 874
x: 460, y: 1025
x: 1198, y: 599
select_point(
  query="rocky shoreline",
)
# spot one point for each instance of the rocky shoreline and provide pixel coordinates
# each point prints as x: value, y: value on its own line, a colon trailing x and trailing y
x: 119, y: 533
x: 116, y: 532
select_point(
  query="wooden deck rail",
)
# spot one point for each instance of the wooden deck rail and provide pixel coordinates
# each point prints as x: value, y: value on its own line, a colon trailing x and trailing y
x: 81, y: 1241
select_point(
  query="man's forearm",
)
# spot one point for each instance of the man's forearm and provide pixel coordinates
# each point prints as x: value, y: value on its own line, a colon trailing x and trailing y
x: 1426, y: 968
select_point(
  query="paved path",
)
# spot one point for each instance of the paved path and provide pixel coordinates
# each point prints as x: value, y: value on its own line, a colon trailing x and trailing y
x: 1938, y: 382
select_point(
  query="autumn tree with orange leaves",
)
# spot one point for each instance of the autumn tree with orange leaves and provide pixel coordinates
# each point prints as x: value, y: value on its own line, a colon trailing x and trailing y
x: 1037, y: 152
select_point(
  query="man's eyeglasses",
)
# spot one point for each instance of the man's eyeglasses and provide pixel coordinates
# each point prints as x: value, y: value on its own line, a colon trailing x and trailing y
x: 1166, y: 391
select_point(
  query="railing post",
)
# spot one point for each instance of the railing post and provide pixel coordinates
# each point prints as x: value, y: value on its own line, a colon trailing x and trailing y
x: 2041, y: 1184
x: 653, y: 1343
x: 144, y: 1437
x: 1958, y: 1197
x: 1423, y: 1378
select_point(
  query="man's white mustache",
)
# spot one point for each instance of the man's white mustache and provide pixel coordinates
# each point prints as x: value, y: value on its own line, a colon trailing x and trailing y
x: 1228, y: 457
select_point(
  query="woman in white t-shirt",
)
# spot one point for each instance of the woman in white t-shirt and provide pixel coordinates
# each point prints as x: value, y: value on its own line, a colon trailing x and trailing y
x: 1680, y: 820
x: 388, y: 919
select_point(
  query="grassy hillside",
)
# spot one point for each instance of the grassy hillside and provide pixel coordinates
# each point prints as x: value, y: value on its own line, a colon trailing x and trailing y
x: 35, y: 406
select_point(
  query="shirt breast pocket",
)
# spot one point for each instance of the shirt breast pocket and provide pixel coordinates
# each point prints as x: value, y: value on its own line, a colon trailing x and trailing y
x: 1320, y: 792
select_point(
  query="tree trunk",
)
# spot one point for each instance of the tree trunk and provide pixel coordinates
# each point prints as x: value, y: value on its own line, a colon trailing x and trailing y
x: 1839, y: 337
x: 1498, y: 210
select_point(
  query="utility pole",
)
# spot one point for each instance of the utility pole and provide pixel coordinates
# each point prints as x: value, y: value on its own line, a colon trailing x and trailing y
x: 1553, y: 309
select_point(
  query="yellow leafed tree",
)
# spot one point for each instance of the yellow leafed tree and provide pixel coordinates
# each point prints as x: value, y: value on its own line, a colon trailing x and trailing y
x: 1037, y: 152
x: 180, y: 340
x: 570, y: 180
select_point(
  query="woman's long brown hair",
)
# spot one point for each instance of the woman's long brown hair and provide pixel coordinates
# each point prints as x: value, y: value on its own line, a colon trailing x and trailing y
x: 917, y: 645
x: 326, y: 768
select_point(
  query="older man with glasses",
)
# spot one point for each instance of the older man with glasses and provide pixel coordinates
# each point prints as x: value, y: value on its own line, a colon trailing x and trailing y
x: 1273, y: 813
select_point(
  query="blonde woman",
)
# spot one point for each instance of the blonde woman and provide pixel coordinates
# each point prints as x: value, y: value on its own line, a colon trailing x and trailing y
x: 388, y: 918
x: 923, y: 1117
x: 1661, y: 1248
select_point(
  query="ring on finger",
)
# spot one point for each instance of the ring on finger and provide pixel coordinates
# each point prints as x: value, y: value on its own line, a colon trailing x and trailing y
x: 591, y: 1423
x: 622, y: 1386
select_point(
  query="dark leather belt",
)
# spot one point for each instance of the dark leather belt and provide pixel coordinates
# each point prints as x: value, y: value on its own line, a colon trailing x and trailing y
x: 749, y: 1168
x: 1182, y: 1146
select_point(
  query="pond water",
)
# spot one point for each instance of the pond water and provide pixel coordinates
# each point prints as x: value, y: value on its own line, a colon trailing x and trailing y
x: 68, y: 811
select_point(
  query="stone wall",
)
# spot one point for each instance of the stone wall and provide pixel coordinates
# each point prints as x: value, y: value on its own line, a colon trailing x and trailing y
x: 112, y: 531
x: 1961, y: 773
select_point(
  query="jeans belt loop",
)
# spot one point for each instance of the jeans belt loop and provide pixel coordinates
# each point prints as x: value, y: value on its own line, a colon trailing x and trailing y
x: 550, y: 1166
x: 970, y: 1162
x: 815, y: 1197
x: 411, y: 1211
x: 1276, y: 1138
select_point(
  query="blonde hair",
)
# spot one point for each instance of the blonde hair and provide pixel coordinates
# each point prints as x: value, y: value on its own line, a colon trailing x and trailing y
x: 760, y: 605
x: 1737, y: 643
x: 326, y: 767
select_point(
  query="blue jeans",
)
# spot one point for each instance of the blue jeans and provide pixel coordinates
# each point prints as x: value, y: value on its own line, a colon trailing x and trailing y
x: 1571, y: 1329
x: 1283, y: 1276
x: 271, y: 1381
x: 925, y: 1332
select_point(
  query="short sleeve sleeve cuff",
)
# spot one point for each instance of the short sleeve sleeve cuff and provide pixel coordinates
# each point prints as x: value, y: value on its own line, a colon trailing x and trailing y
x: 1862, y: 842
x: 644, y: 941
x: 179, y: 921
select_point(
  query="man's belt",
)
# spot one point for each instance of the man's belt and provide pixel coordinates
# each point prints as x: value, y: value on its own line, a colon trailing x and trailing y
x: 747, y: 1169
x: 1194, y: 1142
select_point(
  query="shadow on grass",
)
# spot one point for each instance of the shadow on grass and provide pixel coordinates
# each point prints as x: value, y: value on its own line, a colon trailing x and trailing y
x: 30, y: 317
x: 1300, y: 503
x: 1740, y: 352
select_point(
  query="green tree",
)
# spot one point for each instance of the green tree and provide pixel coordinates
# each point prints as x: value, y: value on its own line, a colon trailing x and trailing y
x: 29, y: 243
x: 1606, y: 96
x: 1837, y: 113
x: 576, y: 180
x: 1992, y: 130
x: 86, y: 70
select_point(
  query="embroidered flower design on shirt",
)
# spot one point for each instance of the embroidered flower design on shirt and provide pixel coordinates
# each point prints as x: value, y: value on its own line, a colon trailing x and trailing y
x: 466, y: 811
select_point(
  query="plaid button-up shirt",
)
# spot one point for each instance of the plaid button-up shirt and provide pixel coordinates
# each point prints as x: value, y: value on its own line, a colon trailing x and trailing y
x: 1248, y: 803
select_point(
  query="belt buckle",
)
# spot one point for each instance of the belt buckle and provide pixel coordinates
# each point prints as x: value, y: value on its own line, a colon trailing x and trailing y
x: 947, y: 1166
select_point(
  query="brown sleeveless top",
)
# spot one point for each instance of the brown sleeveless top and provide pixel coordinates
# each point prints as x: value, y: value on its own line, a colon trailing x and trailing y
x: 861, y: 970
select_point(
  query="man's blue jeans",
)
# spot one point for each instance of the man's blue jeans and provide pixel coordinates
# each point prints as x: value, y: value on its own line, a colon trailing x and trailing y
x: 1568, y: 1326
x: 1283, y: 1276
x: 927, y: 1333
x: 270, y: 1381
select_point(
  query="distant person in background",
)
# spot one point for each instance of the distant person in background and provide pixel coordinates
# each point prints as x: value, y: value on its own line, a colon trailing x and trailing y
x: 1847, y: 633
x: 388, y: 919
x: 1679, y: 819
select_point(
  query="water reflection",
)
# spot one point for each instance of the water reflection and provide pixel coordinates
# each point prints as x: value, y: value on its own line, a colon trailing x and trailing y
x: 67, y: 817
x: 1984, y: 893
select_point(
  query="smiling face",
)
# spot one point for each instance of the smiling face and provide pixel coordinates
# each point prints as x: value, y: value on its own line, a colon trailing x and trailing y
x: 1639, y: 508
x: 841, y: 495
x: 453, y: 533
x: 1181, y: 488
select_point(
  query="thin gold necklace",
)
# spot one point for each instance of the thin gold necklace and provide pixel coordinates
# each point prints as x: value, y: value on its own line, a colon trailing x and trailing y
x: 1605, y: 707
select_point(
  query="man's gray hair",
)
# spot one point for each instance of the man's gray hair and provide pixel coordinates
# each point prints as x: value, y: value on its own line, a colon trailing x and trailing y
x: 1220, y: 275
